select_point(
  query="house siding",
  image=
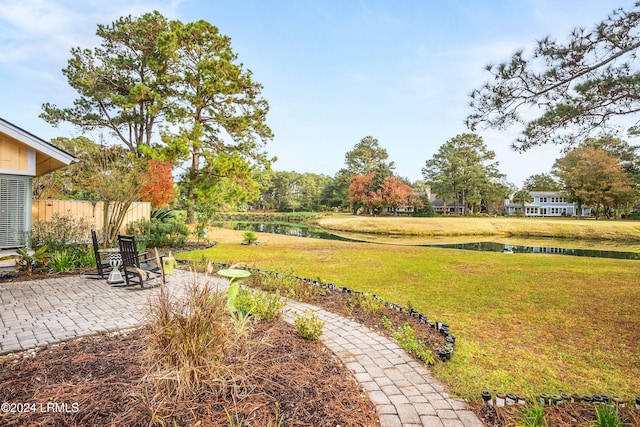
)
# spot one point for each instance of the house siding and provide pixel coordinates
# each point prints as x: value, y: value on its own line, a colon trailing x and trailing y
x: 546, y: 204
x: 23, y: 156
x: 16, y: 158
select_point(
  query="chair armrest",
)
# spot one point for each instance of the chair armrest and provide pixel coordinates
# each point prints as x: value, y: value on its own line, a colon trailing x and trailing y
x: 151, y: 259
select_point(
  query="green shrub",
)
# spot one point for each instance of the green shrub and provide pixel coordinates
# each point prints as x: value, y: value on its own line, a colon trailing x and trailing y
x: 260, y: 305
x: 426, y: 210
x: 406, y: 336
x: 309, y: 325
x: 63, y: 261
x: 284, y: 284
x: 249, y: 237
x: 60, y: 233
x: 367, y: 303
x: 387, y: 323
x: 85, y: 255
x: 169, y: 232
x: 72, y: 258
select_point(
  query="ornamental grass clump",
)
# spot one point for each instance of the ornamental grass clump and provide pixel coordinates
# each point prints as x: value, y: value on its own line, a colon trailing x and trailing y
x: 196, y: 349
x: 608, y: 416
x: 533, y: 416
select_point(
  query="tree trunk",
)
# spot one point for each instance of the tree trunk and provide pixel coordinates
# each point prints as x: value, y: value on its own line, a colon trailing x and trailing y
x: 193, y: 175
x: 455, y: 200
x: 113, y: 214
x: 464, y: 202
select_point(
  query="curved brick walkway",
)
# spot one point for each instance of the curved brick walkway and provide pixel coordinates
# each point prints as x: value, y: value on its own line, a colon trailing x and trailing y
x: 57, y: 309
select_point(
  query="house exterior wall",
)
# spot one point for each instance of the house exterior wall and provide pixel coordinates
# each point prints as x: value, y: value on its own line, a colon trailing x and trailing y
x: 450, y: 209
x: 546, y: 204
x: 16, y: 158
x: 402, y: 210
x: 23, y: 156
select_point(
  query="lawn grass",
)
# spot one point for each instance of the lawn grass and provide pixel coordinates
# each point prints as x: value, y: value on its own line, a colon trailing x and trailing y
x: 525, y: 323
x: 499, y: 226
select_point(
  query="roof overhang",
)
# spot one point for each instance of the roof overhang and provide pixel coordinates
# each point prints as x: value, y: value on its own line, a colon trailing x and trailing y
x: 48, y: 156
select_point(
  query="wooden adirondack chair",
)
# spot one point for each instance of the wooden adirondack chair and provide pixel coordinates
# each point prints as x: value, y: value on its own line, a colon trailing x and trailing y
x: 103, y: 266
x: 138, y: 268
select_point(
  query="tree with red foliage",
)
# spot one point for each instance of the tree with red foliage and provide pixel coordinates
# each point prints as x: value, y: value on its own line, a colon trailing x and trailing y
x: 395, y: 193
x: 375, y: 201
x: 392, y: 192
x: 157, y: 184
x: 360, y: 188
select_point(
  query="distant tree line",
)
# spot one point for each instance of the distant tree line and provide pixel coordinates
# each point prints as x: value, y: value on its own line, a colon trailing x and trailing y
x: 180, y: 122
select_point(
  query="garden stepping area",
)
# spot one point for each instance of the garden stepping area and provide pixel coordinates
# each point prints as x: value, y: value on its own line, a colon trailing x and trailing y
x: 41, y: 312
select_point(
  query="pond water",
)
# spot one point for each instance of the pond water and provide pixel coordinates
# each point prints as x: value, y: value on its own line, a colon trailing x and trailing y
x: 507, y: 248
x: 538, y: 246
x: 297, y: 230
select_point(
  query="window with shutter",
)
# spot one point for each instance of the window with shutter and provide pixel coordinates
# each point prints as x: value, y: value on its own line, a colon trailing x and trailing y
x: 15, y: 199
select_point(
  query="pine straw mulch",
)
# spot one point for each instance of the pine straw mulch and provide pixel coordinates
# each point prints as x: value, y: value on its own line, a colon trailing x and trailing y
x: 336, y: 302
x: 97, y: 381
x: 565, y: 415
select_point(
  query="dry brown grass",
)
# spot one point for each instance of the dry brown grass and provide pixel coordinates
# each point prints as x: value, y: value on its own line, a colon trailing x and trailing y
x: 195, y: 348
x: 485, y: 226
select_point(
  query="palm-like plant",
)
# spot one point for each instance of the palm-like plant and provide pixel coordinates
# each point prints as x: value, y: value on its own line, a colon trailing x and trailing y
x: 29, y: 261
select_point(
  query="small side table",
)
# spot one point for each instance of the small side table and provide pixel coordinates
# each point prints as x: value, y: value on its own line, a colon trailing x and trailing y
x: 235, y: 276
x: 115, y: 260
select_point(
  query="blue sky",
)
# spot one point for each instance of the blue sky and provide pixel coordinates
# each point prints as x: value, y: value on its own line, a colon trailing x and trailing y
x: 333, y: 71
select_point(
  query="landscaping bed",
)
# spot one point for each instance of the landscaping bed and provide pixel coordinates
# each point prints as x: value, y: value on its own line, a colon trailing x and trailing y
x: 565, y: 415
x: 97, y: 381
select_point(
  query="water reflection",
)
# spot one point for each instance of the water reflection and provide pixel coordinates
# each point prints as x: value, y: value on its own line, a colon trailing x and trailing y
x: 507, y: 248
x: 296, y: 230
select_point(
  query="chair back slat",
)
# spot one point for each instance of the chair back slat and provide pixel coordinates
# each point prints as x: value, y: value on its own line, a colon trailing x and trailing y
x: 128, y: 251
x: 96, y: 252
x: 94, y: 239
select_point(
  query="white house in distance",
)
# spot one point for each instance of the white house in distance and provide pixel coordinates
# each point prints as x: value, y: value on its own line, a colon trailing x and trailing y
x: 545, y: 204
x: 23, y: 156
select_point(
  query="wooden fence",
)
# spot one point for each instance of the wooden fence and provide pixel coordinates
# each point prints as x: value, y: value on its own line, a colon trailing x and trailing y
x: 43, y: 210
